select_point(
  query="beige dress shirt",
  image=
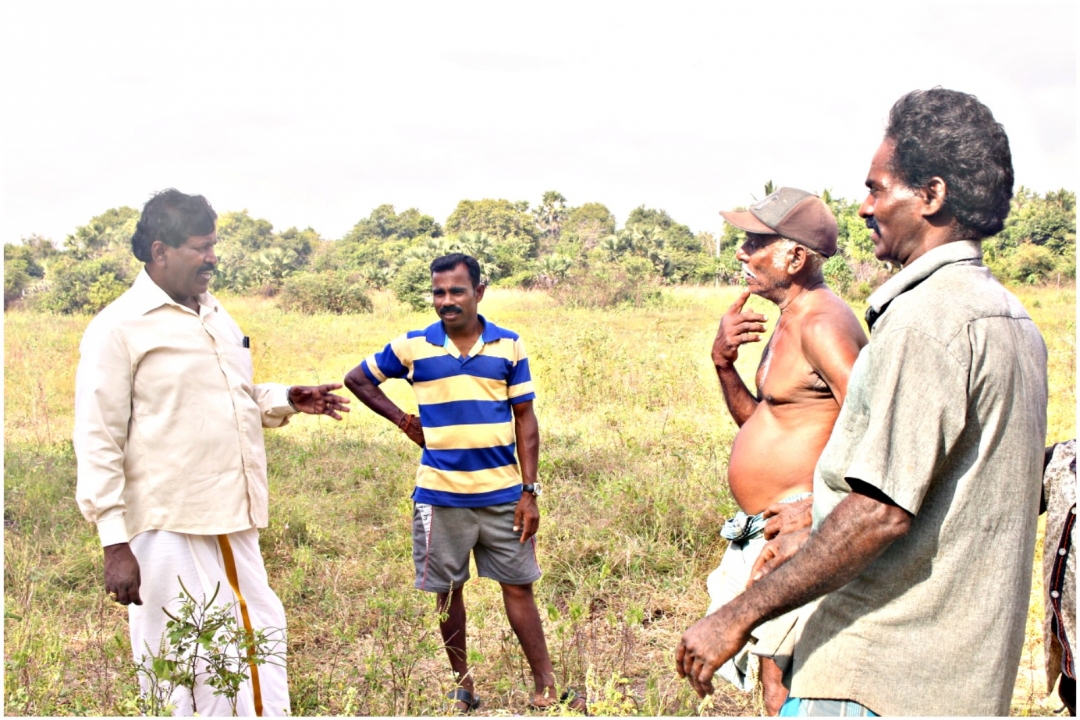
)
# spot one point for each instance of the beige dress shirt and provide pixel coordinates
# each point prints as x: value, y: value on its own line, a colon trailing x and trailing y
x: 168, y: 421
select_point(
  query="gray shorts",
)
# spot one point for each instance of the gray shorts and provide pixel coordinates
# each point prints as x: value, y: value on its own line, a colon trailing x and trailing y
x: 444, y: 536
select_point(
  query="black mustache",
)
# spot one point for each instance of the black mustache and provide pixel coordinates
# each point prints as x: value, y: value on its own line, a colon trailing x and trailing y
x: 211, y: 268
x: 871, y: 223
x: 452, y: 308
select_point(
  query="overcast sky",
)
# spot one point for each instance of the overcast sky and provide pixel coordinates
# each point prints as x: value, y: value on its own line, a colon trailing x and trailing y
x: 312, y: 114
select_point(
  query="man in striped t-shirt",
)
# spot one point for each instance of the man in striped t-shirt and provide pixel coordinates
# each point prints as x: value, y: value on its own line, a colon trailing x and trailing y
x: 476, y: 485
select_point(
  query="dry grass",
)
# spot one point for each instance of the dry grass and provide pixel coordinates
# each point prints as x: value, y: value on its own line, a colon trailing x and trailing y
x: 635, y: 445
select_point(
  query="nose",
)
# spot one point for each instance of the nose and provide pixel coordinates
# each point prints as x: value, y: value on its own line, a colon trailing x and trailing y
x: 867, y: 208
x: 741, y: 254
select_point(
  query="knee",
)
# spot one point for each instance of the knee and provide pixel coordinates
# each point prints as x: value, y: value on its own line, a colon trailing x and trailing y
x: 517, y: 591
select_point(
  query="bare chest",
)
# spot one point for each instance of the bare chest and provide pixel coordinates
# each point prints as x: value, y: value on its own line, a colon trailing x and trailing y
x: 784, y: 374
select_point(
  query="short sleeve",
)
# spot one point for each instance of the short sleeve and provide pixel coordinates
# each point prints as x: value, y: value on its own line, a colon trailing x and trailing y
x: 519, y: 382
x: 917, y: 406
x: 393, y: 361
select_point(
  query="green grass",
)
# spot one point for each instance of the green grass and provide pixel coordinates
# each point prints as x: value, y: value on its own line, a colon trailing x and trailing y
x: 635, y: 441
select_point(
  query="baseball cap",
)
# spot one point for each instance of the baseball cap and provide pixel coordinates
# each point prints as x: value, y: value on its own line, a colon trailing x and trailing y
x: 791, y: 213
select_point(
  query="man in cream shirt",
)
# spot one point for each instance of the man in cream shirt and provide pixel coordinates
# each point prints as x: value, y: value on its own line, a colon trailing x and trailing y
x: 171, y: 461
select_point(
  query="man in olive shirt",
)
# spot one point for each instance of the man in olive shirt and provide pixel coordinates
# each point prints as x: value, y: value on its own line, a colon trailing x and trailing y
x: 927, y: 494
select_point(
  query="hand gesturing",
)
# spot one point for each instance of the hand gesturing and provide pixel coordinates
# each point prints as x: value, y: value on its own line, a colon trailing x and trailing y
x: 736, y: 328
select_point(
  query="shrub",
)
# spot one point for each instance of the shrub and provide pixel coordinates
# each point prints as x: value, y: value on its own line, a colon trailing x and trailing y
x: 73, y: 286
x: 412, y: 284
x: 334, y: 292
x: 607, y: 284
x: 838, y: 274
x: 1030, y: 264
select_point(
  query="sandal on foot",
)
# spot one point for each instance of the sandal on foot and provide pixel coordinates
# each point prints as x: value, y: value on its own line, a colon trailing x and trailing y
x: 570, y: 698
x: 462, y: 695
x: 574, y: 701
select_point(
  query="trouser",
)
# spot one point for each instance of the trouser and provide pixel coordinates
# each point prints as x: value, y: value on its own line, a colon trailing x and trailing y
x: 231, y: 565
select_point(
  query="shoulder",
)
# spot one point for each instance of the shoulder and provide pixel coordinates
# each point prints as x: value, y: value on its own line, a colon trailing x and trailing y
x: 493, y: 332
x: 950, y: 301
x: 828, y: 321
x: 113, y: 319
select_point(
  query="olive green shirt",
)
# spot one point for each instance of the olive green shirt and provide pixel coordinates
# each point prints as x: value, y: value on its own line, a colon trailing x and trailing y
x: 946, y: 415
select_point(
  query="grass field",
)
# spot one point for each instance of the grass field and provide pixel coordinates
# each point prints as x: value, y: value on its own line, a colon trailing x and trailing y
x: 635, y: 442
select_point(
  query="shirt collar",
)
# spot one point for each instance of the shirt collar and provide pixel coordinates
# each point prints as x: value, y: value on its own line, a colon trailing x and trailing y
x: 436, y: 335
x: 147, y: 295
x: 923, y: 267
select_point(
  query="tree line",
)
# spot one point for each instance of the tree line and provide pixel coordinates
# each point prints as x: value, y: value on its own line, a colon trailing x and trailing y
x: 578, y: 253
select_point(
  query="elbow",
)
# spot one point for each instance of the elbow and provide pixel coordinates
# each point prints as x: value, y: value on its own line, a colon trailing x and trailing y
x: 895, y: 522
x: 356, y: 381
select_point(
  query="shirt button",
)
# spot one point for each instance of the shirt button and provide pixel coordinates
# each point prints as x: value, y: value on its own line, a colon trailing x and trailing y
x: 1061, y: 551
x: 1054, y: 593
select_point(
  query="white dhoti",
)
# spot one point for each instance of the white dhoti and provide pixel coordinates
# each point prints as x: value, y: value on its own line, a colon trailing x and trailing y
x: 203, y: 562
x: 773, y: 639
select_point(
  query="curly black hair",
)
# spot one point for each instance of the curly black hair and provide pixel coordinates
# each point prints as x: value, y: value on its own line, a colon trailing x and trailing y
x: 171, y: 217
x: 951, y: 135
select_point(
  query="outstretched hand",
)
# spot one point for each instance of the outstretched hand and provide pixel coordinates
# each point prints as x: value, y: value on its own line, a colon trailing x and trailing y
x: 318, y: 400
x: 736, y: 328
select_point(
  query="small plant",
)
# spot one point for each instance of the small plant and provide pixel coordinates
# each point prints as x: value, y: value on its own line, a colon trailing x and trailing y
x: 203, y: 642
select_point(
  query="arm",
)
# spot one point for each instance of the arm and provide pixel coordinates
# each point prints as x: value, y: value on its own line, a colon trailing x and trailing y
x: 375, y: 399
x: 736, y: 328
x: 102, y: 411
x: 860, y: 528
x: 527, y: 434
x: 831, y: 343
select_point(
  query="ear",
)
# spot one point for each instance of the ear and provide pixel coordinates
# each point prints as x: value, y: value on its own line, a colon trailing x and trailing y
x: 157, y: 252
x: 796, y: 259
x: 480, y: 291
x: 933, y: 196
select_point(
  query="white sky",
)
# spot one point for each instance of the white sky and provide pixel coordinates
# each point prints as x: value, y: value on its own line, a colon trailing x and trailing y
x: 314, y: 113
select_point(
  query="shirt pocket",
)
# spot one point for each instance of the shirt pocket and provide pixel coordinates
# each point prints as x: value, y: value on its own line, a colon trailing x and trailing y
x: 239, y: 358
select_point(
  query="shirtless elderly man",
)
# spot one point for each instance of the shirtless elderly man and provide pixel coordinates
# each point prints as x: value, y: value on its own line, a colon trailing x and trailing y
x: 801, y: 381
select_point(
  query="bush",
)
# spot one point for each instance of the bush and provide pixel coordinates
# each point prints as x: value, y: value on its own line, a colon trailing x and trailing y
x: 1029, y: 264
x: 334, y: 292
x: 16, y: 280
x: 73, y: 285
x: 412, y: 284
x: 607, y: 284
x: 838, y: 274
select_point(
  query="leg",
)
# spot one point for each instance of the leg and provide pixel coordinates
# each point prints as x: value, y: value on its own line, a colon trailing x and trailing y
x: 772, y: 682
x: 453, y: 634
x: 525, y: 621
x: 200, y: 561
x: 1067, y: 693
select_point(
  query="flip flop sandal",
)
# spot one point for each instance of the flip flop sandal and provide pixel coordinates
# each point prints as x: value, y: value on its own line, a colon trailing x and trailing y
x: 574, y: 701
x: 462, y: 695
x: 570, y: 698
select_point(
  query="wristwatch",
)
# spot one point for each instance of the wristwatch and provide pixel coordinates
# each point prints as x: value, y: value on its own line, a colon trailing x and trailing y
x: 535, y: 489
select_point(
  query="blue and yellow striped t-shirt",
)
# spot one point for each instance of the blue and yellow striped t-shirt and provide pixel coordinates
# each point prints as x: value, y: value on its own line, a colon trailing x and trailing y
x: 469, y: 458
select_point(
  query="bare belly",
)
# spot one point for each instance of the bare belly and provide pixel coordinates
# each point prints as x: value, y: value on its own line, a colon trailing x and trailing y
x: 773, y: 457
